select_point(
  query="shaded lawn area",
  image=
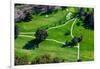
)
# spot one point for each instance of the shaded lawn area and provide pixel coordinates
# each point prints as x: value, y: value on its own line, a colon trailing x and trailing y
x: 46, y: 47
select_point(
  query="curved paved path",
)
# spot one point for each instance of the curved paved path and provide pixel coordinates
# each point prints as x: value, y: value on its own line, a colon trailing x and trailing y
x: 72, y: 28
x: 68, y: 15
x: 62, y: 24
x: 45, y: 39
x: 23, y: 34
x: 78, y: 45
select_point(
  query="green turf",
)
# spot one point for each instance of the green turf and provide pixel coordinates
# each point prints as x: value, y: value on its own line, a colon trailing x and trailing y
x: 87, y: 44
x: 39, y: 21
x: 46, y: 47
x: 51, y: 47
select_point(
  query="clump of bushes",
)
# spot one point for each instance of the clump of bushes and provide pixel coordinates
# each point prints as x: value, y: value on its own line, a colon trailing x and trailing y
x: 57, y: 60
x: 79, y: 22
x: 28, y: 16
x: 22, y: 58
x: 67, y: 33
x: 73, y: 42
x: 46, y: 58
x: 42, y: 59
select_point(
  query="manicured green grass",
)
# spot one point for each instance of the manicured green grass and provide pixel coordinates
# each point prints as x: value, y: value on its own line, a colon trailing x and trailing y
x: 59, y: 33
x: 87, y: 44
x: 39, y: 21
x: 48, y: 47
x: 51, y: 47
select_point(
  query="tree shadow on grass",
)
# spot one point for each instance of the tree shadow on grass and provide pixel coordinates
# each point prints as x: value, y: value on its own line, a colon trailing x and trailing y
x: 32, y: 44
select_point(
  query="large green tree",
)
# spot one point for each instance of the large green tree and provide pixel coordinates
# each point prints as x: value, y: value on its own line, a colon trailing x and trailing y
x: 41, y: 34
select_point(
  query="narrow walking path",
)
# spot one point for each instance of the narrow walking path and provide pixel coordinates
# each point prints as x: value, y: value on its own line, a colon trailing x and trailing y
x: 72, y: 28
x: 26, y: 36
x: 68, y: 15
x: 78, y: 45
x: 55, y: 41
x: 27, y: 33
x: 23, y: 34
x: 61, y: 25
x: 46, y: 39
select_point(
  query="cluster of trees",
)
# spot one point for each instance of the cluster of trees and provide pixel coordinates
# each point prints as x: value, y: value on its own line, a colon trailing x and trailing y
x: 89, y: 21
x: 24, y: 12
x: 42, y: 59
x: 73, y: 42
x: 87, y: 15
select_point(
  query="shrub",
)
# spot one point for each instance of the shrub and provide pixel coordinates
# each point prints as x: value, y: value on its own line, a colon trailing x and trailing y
x: 57, y: 60
x: 67, y: 33
x: 68, y: 44
x: 74, y: 41
x: 22, y: 58
x: 80, y: 38
x: 28, y: 16
x: 78, y: 23
x: 46, y: 58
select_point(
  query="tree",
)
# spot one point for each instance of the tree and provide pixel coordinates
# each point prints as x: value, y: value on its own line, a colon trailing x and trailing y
x: 89, y: 21
x: 87, y: 15
x: 74, y: 41
x: 28, y: 16
x: 41, y: 34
